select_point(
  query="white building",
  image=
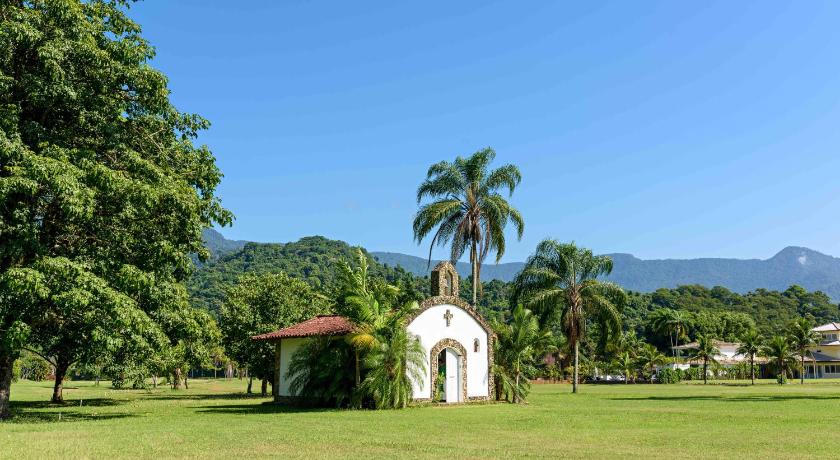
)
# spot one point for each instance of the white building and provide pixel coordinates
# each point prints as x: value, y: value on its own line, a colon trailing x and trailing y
x: 457, y: 340
x: 823, y: 360
x: 727, y: 353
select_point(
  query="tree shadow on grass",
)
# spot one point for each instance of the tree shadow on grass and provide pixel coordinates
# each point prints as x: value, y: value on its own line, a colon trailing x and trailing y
x: 264, y: 408
x: 740, y: 398
x: 23, y: 412
x: 203, y: 396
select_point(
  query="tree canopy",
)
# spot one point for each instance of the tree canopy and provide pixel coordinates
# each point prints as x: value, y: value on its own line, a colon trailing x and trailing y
x: 99, y: 175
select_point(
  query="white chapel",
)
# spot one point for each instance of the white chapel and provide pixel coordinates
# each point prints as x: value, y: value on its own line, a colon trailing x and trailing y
x: 457, y: 340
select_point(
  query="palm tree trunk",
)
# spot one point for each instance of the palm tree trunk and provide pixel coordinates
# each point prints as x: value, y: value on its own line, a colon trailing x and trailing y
x: 752, y: 368
x: 705, y: 370
x: 802, y: 368
x: 474, y: 260
x: 358, y: 373
x: 516, y: 390
x: 575, y: 378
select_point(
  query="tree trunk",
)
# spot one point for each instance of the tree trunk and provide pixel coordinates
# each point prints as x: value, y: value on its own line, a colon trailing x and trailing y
x: 250, y: 384
x: 6, y: 364
x: 752, y: 369
x: 186, y: 383
x: 705, y: 372
x: 154, y: 381
x: 358, y: 371
x: 61, y: 366
x: 802, y: 369
x: 474, y: 257
x: 575, y: 378
x: 264, y: 387
x: 176, y: 378
x: 516, y: 389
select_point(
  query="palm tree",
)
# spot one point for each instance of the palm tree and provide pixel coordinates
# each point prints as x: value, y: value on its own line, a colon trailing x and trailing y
x: 518, y: 345
x: 560, y: 280
x: 706, y: 351
x: 672, y: 323
x: 467, y: 209
x: 802, y: 337
x: 779, y: 351
x: 395, y: 365
x: 361, y: 307
x: 650, y: 357
x: 750, y: 346
x: 626, y: 363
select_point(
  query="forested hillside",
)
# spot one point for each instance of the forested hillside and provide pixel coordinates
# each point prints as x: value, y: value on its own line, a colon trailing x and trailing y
x: 792, y: 265
x: 717, y: 310
x: 313, y: 259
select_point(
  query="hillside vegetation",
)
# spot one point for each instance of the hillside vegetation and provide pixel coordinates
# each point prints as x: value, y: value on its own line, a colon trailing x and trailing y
x: 716, y: 310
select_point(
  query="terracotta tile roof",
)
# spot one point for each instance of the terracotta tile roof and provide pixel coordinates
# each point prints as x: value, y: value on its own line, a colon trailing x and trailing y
x: 319, y: 325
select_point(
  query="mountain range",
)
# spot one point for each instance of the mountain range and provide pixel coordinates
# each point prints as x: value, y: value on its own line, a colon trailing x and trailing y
x: 792, y: 265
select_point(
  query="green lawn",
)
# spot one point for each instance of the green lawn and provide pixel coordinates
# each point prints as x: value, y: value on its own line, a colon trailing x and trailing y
x: 215, y: 419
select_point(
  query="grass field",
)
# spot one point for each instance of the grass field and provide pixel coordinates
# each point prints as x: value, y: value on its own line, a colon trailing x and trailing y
x: 215, y: 419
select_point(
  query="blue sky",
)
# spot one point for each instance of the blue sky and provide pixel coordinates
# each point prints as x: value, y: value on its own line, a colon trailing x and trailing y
x: 661, y: 129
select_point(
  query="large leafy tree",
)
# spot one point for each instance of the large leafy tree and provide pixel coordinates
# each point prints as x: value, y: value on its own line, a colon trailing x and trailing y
x: 97, y: 168
x: 802, y: 337
x: 560, y: 282
x: 467, y: 211
x: 705, y: 351
x: 750, y: 346
x: 258, y: 304
x: 519, y: 344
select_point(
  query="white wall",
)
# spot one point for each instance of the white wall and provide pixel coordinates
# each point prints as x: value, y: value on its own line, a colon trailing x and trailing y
x: 431, y: 327
x: 288, y: 347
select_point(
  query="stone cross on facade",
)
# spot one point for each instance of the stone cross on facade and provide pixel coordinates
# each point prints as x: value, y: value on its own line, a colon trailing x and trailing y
x: 448, y: 317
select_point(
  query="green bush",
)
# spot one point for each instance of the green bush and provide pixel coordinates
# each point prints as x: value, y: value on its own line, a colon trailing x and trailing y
x: 34, y: 367
x: 692, y: 373
x: 16, y: 370
x: 669, y: 376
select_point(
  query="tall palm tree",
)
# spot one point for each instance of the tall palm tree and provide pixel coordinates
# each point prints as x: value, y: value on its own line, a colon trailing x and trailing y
x: 750, y: 346
x: 360, y: 305
x: 650, y: 357
x: 705, y: 351
x: 802, y: 337
x: 672, y: 323
x: 519, y: 344
x: 560, y: 282
x: 779, y: 350
x: 467, y: 209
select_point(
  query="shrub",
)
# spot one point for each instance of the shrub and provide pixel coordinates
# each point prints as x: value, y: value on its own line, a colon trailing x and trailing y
x: 34, y: 367
x: 692, y: 373
x: 16, y: 370
x: 669, y: 376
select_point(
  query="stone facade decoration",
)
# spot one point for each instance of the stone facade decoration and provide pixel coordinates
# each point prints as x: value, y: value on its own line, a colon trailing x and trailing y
x: 445, y: 280
x: 435, y: 365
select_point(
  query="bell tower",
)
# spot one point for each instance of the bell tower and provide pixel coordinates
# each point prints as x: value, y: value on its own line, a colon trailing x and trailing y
x: 445, y: 280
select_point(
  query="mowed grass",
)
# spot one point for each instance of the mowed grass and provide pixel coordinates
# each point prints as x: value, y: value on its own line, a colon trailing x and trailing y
x: 214, y: 419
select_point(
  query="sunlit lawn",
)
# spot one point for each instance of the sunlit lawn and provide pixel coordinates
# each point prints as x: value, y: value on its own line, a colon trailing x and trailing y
x: 215, y: 419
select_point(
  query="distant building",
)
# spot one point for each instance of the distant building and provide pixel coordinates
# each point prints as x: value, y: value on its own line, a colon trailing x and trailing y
x: 728, y: 355
x: 823, y: 359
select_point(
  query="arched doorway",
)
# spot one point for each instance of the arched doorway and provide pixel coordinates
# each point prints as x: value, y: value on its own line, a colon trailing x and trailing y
x: 448, y: 362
